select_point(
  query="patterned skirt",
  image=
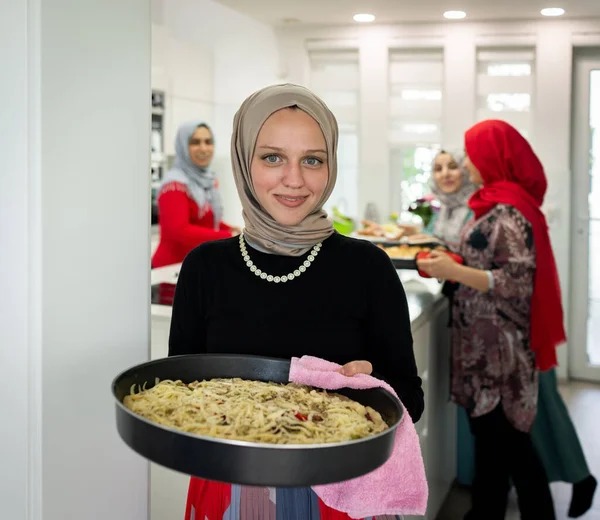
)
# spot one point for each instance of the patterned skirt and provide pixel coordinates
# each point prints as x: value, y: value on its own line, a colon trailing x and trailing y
x: 209, y: 500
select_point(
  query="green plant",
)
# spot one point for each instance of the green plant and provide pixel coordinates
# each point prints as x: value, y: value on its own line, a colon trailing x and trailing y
x: 425, y: 208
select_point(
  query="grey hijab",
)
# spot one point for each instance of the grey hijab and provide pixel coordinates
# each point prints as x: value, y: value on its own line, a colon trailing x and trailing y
x: 261, y: 230
x: 454, y: 209
x: 201, y: 182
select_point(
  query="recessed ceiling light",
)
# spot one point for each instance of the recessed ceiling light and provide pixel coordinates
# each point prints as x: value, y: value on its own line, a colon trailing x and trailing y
x: 364, y: 17
x: 455, y: 15
x: 553, y: 11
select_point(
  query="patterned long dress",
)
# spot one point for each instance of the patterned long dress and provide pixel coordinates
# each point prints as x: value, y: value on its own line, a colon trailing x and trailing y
x: 492, y: 361
x: 215, y: 501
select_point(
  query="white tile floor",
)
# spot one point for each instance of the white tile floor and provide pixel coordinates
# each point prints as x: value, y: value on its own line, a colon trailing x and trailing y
x: 583, y: 400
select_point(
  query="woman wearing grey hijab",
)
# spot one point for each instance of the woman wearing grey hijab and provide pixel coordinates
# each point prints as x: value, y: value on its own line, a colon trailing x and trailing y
x: 289, y: 285
x: 190, y: 210
x: 452, y: 187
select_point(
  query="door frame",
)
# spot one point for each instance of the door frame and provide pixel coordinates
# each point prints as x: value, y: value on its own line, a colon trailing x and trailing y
x: 584, y: 61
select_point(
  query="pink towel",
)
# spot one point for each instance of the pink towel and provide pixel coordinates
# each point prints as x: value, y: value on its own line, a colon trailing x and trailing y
x: 399, y: 486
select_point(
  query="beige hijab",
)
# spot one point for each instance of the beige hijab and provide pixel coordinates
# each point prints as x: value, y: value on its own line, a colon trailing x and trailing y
x: 261, y: 230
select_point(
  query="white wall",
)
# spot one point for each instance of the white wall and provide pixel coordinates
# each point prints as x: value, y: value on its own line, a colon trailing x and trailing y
x: 74, y: 268
x: 185, y: 73
x: 19, y: 306
x: 243, y: 56
x: 553, y: 41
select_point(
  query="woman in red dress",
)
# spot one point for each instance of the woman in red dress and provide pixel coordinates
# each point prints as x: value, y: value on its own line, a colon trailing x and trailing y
x: 189, y: 204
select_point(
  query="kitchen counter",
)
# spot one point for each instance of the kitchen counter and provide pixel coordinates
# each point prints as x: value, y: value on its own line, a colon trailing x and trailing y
x: 428, y: 311
x: 166, y: 274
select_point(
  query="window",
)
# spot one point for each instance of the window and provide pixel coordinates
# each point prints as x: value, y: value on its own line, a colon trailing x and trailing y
x: 505, y: 80
x: 335, y: 78
x: 508, y: 69
x: 415, y: 132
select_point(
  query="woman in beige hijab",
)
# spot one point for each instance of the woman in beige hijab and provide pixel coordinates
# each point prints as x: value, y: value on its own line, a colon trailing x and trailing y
x: 289, y: 285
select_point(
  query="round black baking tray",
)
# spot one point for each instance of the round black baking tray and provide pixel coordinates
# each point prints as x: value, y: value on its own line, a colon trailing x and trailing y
x: 240, y: 462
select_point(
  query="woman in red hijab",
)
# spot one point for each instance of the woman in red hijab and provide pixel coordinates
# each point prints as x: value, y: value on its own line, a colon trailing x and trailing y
x: 507, y: 318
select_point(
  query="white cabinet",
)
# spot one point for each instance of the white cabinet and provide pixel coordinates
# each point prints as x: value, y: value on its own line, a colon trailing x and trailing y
x: 437, y: 427
x: 421, y: 341
x: 168, y: 488
x: 168, y: 493
x: 441, y: 413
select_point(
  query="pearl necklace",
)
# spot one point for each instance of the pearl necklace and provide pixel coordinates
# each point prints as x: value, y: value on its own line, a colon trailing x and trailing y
x: 277, y: 279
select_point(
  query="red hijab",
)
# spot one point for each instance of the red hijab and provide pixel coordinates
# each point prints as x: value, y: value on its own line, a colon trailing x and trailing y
x: 512, y: 174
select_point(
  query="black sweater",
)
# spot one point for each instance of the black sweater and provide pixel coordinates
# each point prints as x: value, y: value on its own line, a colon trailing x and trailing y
x: 348, y: 305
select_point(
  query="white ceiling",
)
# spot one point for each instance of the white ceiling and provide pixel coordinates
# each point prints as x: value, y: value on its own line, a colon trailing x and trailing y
x: 340, y: 12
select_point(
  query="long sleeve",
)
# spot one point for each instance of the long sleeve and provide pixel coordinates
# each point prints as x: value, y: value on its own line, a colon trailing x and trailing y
x: 390, y: 335
x: 174, y: 220
x: 513, y: 264
x: 188, y: 324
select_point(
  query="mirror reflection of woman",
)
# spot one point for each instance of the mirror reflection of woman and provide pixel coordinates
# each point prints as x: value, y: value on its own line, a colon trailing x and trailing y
x: 190, y: 209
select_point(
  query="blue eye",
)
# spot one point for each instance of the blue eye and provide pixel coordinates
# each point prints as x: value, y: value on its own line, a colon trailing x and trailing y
x: 271, y: 158
x: 313, y: 161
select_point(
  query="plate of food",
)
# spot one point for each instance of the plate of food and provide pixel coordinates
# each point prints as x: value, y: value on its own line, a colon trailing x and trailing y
x: 238, y: 419
x: 404, y: 255
x: 374, y: 232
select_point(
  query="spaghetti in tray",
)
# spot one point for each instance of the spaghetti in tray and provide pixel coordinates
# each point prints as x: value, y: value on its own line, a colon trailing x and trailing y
x: 255, y: 411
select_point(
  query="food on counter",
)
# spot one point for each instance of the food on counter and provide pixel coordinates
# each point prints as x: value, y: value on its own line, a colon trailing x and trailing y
x: 408, y: 252
x: 387, y: 231
x: 255, y: 411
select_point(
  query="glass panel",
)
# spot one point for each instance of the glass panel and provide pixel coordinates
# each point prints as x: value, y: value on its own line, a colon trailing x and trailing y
x: 594, y: 198
x: 411, y: 165
x: 420, y: 128
x: 593, y: 340
x: 335, y: 78
x: 340, y: 98
x: 427, y: 95
x: 517, y: 102
x: 416, y: 109
x: 332, y: 71
x: 509, y: 69
x: 593, y: 346
x: 345, y: 193
x: 505, y: 85
x: 594, y: 279
x: 419, y: 72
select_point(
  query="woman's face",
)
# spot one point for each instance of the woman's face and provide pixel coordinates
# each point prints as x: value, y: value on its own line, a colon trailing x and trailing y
x: 447, y: 173
x: 201, y: 147
x: 289, y: 167
x: 473, y: 171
